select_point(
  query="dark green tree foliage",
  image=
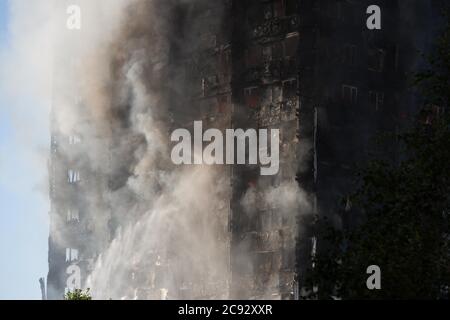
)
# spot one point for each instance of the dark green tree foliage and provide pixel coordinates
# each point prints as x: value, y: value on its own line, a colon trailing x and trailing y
x: 405, y: 205
x: 78, y: 294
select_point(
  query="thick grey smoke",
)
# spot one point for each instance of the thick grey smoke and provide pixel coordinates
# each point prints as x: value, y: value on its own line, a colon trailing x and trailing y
x: 179, y: 240
x: 169, y: 225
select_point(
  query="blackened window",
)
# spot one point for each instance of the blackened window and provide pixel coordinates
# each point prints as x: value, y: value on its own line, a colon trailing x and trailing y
x: 376, y: 99
x: 277, y: 50
x: 291, y: 7
x: 349, y: 54
x: 278, y: 8
x: 289, y: 88
x: 350, y: 94
x: 268, y: 11
x: 251, y: 96
x: 339, y: 11
x: 255, y: 15
x: 208, y: 84
x: 290, y: 46
x: 396, y: 57
x: 253, y: 56
x: 376, y: 59
x: 222, y: 104
x: 267, y: 53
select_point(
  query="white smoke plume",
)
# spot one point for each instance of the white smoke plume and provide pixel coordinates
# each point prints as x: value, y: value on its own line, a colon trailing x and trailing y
x: 167, y: 225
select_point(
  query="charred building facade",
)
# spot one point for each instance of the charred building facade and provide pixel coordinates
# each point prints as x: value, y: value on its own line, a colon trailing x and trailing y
x: 265, y: 89
x: 355, y: 85
x: 309, y: 68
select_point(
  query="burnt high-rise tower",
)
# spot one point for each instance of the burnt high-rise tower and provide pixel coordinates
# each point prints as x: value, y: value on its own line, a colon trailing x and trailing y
x: 311, y: 69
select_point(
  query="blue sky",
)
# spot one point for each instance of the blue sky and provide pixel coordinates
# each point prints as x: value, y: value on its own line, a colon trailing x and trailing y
x: 24, y: 204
